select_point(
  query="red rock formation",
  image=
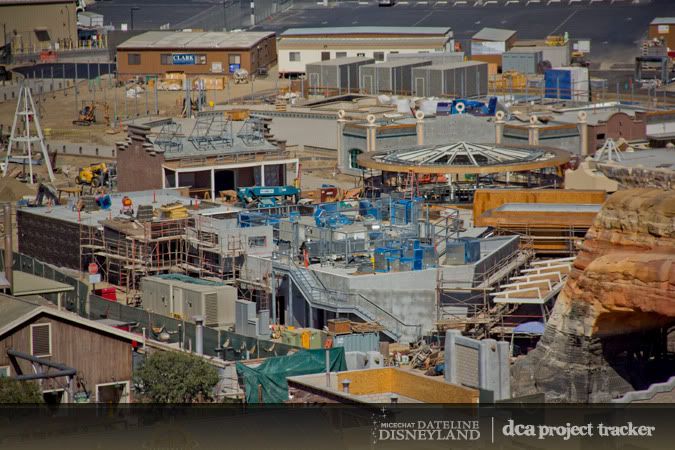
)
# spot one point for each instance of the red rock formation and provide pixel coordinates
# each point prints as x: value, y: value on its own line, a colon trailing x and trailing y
x: 606, y: 332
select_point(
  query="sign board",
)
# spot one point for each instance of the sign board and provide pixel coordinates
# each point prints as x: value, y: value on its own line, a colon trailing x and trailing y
x: 124, y: 27
x: 92, y: 268
x: 183, y: 59
x: 664, y: 29
x: 217, y: 67
x: 234, y: 67
x: 95, y: 278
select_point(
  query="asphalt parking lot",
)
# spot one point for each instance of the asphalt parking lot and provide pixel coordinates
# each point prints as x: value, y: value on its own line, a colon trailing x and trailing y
x: 614, y: 26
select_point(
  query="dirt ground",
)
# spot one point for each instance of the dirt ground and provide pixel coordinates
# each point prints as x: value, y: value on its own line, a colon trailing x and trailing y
x: 59, y: 109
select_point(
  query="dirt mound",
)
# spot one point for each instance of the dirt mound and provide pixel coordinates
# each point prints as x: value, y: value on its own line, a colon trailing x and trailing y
x: 12, y: 189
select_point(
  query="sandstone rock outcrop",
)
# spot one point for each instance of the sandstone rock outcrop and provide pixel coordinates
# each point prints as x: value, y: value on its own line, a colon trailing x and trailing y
x: 608, y: 331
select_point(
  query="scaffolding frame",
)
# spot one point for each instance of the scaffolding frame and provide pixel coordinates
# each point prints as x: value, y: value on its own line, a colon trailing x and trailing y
x: 482, y: 314
x: 125, y: 251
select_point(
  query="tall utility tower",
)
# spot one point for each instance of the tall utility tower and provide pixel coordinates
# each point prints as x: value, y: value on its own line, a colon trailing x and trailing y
x: 26, y: 112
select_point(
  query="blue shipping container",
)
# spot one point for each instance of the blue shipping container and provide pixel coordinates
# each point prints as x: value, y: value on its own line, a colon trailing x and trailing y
x: 558, y: 84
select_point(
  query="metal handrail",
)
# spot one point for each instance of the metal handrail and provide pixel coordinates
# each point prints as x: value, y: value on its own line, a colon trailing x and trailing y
x: 334, y: 297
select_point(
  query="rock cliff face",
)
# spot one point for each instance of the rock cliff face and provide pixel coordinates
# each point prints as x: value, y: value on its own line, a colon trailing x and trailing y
x: 608, y: 333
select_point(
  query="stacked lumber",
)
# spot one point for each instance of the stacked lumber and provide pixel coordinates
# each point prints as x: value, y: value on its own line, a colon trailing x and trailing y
x: 173, y: 211
x: 366, y: 327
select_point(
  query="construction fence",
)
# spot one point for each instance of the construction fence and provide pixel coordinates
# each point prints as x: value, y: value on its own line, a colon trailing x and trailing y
x: 75, y: 300
x: 226, y: 344
x: 235, y: 346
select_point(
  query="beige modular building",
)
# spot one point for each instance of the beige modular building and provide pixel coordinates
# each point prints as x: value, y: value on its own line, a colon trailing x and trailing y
x: 34, y: 25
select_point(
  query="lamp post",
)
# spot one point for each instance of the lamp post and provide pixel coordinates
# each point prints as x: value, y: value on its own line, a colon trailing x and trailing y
x: 132, y: 9
x: 224, y: 16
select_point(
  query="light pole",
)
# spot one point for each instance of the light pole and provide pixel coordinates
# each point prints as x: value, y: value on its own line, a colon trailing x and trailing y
x: 132, y: 9
x: 224, y: 16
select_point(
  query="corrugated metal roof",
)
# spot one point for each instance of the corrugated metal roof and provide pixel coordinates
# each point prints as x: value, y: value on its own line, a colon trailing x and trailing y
x: 195, y: 40
x: 663, y: 21
x: 454, y: 65
x: 400, y: 63
x: 363, y: 42
x: 493, y: 34
x: 365, y: 30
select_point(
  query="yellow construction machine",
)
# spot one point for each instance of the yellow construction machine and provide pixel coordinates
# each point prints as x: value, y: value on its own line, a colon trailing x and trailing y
x: 94, y: 175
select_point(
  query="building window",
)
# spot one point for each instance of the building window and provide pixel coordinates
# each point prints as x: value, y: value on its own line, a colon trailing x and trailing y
x: 41, y: 339
x: 393, y: 52
x: 257, y: 241
x: 134, y: 59
x: 294, y: 56
x: 42, y: 35
x: 600, y: 136
x: 325, y: 56
x: 360, y: 54
x: 379, y: 56
x: 200, y: 59
x: 234, y: 58
x: 4, y: 372
x: 340, y: 54
x: 353, y: 155
x: 165, y: 59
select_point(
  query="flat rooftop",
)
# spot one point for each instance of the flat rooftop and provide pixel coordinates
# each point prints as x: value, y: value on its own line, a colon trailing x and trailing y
x: 663, y: 158
x: 493, y: 34
x: 155, y: 198
x: 379, y: 385
x: 240, y: 139
x: 549, y: 207
x: 596, y: 113
x: 195, y: 40
x: 398, y: 31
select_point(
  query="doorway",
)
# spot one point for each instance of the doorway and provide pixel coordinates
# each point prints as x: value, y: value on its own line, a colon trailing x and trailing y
x: 113, y: 393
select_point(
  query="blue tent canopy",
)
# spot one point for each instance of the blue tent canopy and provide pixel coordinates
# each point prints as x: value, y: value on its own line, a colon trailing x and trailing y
x: 533, y: 327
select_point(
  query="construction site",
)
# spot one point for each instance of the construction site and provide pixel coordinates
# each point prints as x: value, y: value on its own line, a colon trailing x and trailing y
x: 439, y: 218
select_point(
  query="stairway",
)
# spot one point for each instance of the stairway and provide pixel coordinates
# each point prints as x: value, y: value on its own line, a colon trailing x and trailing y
x: 318, y: 296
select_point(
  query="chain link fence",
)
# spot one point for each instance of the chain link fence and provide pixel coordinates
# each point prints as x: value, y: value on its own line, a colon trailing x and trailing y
x: 80, y: 301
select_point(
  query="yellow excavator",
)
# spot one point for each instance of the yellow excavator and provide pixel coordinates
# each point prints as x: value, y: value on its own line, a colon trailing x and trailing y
x: 94, y: 175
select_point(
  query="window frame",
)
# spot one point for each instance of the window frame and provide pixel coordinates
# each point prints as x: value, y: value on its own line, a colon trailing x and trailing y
x: 237, y: 56
x: 134, y: 55
x: 7, y: 371
x: 257, y: 238
x: 292, y: 57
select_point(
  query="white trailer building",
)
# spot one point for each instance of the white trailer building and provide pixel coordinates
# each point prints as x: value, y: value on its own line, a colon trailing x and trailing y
x: 297, y: 47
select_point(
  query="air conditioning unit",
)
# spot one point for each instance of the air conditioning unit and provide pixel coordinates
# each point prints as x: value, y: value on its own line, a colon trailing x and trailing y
x: 185, y: 297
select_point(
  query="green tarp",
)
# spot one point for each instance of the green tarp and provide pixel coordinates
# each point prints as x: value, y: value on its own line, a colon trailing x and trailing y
x: 271, y: 374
